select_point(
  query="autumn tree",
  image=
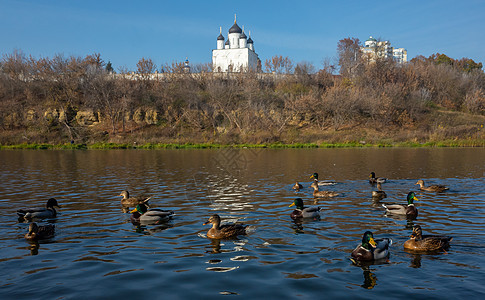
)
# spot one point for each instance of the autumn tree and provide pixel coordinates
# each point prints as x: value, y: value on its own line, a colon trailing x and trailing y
x: 279, y: 64
x: 349, y: 56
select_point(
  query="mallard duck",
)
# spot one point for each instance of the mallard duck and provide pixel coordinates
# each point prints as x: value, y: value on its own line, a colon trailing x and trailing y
x: 379, y: 194
x: 219, y: 231
x: 426, y: 243
x: 132, y: 202
x: 144, y: 215
x: 373, y: 179
x: 297, y: 186
x: 37, y: 232
x: 431, y: 188
x: 321, y: 194
x: 371, y: 249
x: 28, y: 214
x: 408, y: 210
x: 303, y: 212
x: 323, y: 182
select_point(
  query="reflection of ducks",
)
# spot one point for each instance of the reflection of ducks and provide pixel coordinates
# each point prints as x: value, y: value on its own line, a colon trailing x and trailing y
x: 408, y: 210
x: 371, y: 249
x: 37, y: 232
x: 132, y: 202
x: 39, y: 213
x: 431, y: 188
x: 219, y: 231
x: 370, y: 279
x: 373, y: 179
x: 323, y: 182
x: 297, y: 186
x: 379, y: 194
x: 426, y: 243
x: 303, y: 212
x: 143, y: 215
x: 321, y: 194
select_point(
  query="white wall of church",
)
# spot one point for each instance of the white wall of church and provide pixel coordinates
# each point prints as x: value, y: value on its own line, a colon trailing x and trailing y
x: 242, y: 59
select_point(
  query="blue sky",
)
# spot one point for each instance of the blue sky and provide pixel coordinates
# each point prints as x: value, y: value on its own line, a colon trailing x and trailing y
x: 166, y: 31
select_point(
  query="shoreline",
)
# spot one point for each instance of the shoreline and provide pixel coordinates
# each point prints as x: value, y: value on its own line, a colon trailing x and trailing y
x: 159, y: 146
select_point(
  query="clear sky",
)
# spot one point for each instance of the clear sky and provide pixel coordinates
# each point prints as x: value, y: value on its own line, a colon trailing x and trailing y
x: 166, y: 31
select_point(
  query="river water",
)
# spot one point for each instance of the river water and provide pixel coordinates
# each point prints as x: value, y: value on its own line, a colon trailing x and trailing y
x: 97, y: 253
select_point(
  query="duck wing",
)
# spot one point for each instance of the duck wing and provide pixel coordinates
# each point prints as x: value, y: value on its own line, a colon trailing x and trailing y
x: 382, y: 248
x: 232, y: 229
x: 397, y: 209
x: 155, y: 212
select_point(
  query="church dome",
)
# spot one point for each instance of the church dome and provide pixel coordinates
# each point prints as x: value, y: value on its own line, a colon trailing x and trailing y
x: 235, y: 29
x: 220, y: 37
x: 250, y: 41
x: 227, y: 42
x: 243, y: 36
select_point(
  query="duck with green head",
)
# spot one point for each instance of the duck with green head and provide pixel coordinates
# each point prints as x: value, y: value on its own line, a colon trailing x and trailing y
x: 426, y: 243
x: 47, y: 212
x: 303, y: 212
x: 408, y: 210
x: 225, y: 231
x: 142, y: 214
x: 373, y: 179
x: 323, y: 182
x: 371, y: 249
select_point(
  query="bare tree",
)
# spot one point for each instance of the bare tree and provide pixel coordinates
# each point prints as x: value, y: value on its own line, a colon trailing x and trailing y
x: 349, y: 56
x: 279, y: 64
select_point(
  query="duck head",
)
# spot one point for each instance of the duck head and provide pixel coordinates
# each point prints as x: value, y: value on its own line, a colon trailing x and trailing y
x: 140, y: 208
x: 298, y: 203
x: 51, y: 203
x: 417, y: 232
x: 368, y: 240
x: 314, y: 176
x: 125, y: 194
x: 411, y: 197
x: 372, y: 175
x: 214, y: 219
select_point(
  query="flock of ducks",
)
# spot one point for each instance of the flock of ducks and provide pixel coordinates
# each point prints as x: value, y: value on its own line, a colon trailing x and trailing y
x: 370, y: 249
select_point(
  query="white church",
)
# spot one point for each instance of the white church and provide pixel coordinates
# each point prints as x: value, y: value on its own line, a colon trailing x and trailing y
x: 236, y: 54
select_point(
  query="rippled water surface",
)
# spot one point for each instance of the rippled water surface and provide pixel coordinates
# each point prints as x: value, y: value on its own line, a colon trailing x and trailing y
x: 98, y: 253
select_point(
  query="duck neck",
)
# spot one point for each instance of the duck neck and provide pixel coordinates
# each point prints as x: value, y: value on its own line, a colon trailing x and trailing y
x: 216, y: 225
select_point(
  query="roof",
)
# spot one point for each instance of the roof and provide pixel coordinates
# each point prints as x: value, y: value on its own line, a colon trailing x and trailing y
x: 235, y: 29
x: 220, y: 37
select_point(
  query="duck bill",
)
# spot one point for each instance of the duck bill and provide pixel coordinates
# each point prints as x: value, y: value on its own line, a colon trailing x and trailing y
x: 312, y: 177
x: 292, y: 204
x: 415, y: 198
x: 372, y: 242
x: 206, y: 223
x: 132, y: 211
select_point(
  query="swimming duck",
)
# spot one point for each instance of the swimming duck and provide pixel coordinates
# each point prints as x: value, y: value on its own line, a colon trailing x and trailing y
x: 431, y: 188
x: 323, y: 182
x: 373, y: 179
x: 144, y: 215
x: 303, y: 212
x: 37, y: 232
x: 426, y: 243
x: 321, y: 194
x: 297, y: 186
x: 379, y: 194
x: 132, y: 202
x: 39, y: 213
x: 408, y: 210
x: 371, y: 249
x: 219, y: 231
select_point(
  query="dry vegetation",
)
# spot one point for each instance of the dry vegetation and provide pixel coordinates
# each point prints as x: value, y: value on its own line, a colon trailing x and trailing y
x: 58, y: 100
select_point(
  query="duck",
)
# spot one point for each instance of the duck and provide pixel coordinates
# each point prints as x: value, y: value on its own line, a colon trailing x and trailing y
x: 379, y: 194
x: 371, y: 249
x: 28, y: 214
x: 132, y: 202
x: 303, y: 212
x: 373, y: 179
x: 408, y: 210
x: 37, y: 232
x: 297, y: 186
x: 324, y: 182
x: 219, y: 231
x: 431, y: 188
x: 320, y: 194
x: 426, y: 243
x: 142, y: 214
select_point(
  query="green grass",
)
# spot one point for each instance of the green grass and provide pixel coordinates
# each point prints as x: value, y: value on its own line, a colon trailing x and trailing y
x: 278, y: 145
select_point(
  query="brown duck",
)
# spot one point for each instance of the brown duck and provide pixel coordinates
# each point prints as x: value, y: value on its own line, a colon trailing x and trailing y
x: 431, y: 188
x: 379, y: 194
x: 297, y: 186
x: 321, y: 194
x: 132, y: 202
x: 219, y: 231
x: 426, y: 243
x: 37, y: 232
